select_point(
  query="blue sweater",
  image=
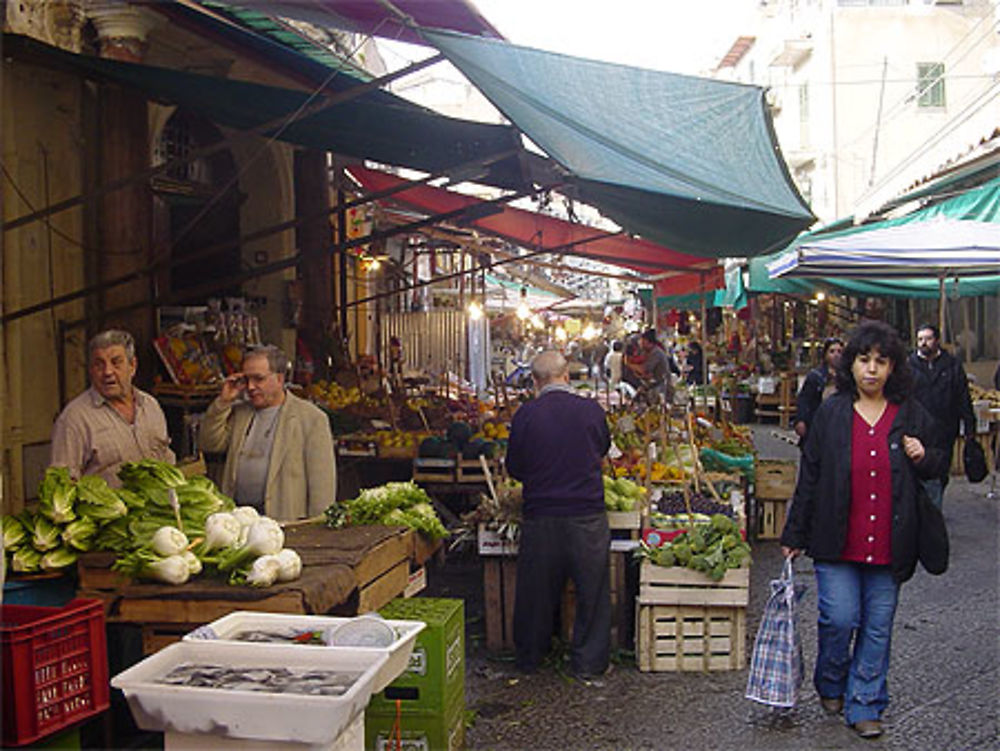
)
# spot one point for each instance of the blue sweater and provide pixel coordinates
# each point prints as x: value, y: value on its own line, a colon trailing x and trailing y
x: 556, y: 446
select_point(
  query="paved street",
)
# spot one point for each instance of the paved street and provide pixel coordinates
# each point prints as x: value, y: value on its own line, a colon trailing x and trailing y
x: 943, y: 680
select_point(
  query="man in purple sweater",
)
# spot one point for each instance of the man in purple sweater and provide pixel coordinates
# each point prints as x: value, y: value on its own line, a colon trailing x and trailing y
x: 557, y: 442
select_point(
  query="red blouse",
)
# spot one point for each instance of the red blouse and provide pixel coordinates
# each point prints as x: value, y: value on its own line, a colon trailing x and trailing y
x: 869, y: 525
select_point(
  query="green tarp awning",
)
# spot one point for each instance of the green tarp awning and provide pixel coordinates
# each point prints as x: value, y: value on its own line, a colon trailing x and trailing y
x: 376, y: 125
x: 689, y: 163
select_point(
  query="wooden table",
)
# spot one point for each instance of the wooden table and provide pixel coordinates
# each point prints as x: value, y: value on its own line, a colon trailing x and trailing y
x: 345, y: 572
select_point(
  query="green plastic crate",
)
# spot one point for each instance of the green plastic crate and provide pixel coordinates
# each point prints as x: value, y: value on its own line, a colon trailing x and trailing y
x: 436, y: 673
x: 419, y: 731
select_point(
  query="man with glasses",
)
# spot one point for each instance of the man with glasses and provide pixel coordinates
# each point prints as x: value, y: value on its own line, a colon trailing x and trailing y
x: 279, y: 449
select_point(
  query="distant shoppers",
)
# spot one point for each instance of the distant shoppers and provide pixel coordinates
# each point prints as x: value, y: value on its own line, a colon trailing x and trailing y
x: 632, y: 363
x: 613, y: 365
x: 279, y: 449
x: 657, y: 365
x: 696, y: 364
x: 818, y: 385
x: 855, y: 513
x: 940, y: 384
x: 112, y: 422
x: 556, y: 446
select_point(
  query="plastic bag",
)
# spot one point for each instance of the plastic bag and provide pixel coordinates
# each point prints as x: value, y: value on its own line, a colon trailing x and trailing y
x: 776, y: 669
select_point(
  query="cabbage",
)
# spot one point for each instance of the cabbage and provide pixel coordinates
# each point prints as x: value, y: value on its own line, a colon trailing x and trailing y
x: 26, y: 560
x: 45, y: 534
x: 80, y: 534
x: 59, y: 558
x: 14, y: 533
x: 97, y: 501
x: 56, y: 495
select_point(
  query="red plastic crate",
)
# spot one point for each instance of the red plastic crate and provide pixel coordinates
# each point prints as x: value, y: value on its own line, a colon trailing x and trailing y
x: 55, y: 668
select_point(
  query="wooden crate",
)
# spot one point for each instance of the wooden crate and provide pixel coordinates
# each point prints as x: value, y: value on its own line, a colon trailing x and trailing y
x: 690, y: 637
x: 471, y: 470
x: 433, y: 470
x: 500, y: 586
x: 677, y: 585
x: 772, y: 519
x: 775, y: 480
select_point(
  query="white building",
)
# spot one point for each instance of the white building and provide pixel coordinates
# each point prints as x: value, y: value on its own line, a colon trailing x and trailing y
x: 869, y: 96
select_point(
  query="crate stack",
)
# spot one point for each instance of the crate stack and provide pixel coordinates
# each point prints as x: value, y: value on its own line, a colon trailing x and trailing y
x: 774, y: 487
x: 685, y: 621
x: 55, y: 669
x: 431, y: 693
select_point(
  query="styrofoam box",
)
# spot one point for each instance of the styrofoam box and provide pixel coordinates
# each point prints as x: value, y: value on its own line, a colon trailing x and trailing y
x: 226, y: 628
x: 247, y: 714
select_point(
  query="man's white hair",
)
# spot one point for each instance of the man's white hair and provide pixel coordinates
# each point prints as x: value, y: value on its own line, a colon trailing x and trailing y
x: 548, y: 366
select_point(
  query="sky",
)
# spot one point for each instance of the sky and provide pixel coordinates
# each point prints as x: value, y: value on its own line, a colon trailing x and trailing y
x: 680, y: 36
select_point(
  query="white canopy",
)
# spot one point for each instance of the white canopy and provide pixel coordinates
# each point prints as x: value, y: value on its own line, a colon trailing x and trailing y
x: 936, y: 247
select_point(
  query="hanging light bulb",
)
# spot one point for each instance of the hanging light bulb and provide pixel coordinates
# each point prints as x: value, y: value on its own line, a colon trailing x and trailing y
x: 475, y: 310
x: 523, y: 311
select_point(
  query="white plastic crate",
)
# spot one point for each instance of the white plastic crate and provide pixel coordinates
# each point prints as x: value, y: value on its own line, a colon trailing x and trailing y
x: 248, y: 714
x: 228, y: 627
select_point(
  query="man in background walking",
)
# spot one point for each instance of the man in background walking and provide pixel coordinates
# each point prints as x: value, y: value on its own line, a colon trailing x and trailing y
x: 940, y: 384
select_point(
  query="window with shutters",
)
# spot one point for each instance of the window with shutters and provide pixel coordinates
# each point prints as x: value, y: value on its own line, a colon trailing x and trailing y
x: 930, y: 85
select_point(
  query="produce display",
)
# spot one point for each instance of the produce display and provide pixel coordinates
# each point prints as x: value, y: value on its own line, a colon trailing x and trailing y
x: 163, y: 526
x: 269, y: 680
x: 711, y: 549
x: 395, y: 504
x: 621, y: 494
x: 70, y: 519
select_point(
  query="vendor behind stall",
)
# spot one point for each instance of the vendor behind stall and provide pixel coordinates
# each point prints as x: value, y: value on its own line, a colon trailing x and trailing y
x: 112, y: 422
x: 279, y: 447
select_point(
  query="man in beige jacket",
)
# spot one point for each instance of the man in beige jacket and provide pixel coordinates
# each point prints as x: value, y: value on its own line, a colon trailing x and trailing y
x: 280, y: 456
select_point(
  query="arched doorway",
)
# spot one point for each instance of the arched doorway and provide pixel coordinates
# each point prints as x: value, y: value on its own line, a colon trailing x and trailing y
x: 196, y: 206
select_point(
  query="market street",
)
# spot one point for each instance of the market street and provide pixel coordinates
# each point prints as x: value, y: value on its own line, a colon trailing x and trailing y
x: 944, y: 680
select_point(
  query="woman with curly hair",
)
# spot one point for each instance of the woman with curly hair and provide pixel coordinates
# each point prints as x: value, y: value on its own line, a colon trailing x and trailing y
x: 855, y: 513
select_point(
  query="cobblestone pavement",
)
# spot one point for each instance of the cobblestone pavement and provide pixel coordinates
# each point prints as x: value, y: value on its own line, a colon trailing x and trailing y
x: 943, y: 677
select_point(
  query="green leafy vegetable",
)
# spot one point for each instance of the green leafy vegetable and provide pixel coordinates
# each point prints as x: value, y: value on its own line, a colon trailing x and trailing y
x: 80, y: 534
x: 14, y: 533
x: 97, y: 501
x: 59, y: 558
x: 56, y: 495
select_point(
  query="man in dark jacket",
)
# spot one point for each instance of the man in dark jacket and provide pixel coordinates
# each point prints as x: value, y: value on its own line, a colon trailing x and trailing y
x: 556, y: 446
x: 941, y: 386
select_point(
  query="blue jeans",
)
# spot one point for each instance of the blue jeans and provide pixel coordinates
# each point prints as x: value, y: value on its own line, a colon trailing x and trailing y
x: 935, y: 490
x: 856, y: 602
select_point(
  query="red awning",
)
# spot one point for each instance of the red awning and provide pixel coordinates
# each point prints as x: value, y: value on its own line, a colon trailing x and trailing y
x: 529, y: 229
x: 691, y: 284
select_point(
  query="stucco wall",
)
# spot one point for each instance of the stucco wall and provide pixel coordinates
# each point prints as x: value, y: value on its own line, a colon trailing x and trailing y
x: 41, y: 145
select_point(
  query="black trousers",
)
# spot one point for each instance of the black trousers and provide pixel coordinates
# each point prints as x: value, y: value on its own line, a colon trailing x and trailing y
x: 552, y: 549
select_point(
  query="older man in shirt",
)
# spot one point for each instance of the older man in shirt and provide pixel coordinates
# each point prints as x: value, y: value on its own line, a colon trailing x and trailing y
x: 279, y: 447
x: 557, y: 443
x: 112, y: 422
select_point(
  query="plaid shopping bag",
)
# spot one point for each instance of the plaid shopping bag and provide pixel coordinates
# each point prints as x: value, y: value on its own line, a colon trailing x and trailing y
x: 776, y: 669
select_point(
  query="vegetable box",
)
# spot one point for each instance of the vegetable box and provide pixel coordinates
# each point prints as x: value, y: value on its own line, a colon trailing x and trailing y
x: 685, y: 621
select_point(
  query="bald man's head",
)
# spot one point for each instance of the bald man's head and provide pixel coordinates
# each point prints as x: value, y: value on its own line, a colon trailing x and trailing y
x: 549, y: 367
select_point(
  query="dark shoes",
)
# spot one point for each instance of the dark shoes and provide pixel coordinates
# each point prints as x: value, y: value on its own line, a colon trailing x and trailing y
x: 868, y: 729
x: 585, y: 677
x: 832, y: 705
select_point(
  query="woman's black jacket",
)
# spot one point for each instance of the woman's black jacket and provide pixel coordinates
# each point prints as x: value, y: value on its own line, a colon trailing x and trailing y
x: 820, y: 509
